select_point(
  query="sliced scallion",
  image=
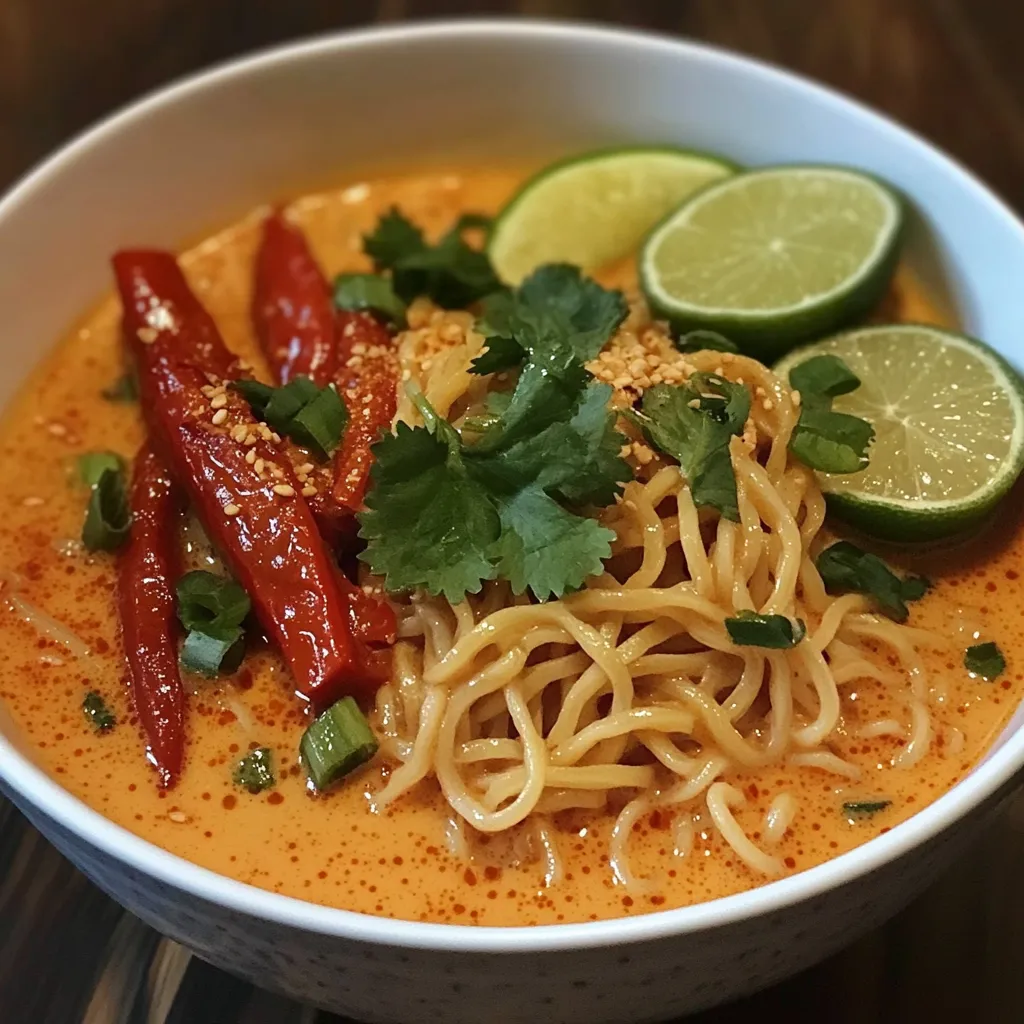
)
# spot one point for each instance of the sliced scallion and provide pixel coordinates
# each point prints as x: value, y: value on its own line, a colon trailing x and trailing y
x: 336, y: 743
x: 212, y: 608
x: 108, y: 519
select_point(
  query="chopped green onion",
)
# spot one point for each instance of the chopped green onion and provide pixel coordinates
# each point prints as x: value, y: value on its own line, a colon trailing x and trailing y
x: 336, y: 743
x: 985, y: 660
x: 212, y: 609
x: 311, y: 416
x: 206, y: 599
x: 371, y: 292
x: 95, y: 709
x: 92, y: 465
x: 124, y: 389
x: 108, y: 519
x: 255, y: 771
x: 749, y: 629
x: 210, y: 654
x: 864, y: 807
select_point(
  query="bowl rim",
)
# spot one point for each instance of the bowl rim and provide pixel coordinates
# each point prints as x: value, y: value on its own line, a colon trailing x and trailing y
x: 34, y: 787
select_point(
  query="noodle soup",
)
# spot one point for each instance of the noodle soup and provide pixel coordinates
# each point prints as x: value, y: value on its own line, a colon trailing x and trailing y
x: 609, y: 753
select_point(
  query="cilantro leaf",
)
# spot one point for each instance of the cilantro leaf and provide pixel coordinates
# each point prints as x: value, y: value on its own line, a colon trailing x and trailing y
x: 577, y: 307
x: 749, y: 629
x: 549, y: 385
x: 593, y: 311
x: 693, y: 423
x: 702, y: 340
x: 427, y: 522
x: 985, y: 660
x: 369, y: 291
x: 832, y: 442
x: 255, y: 771
x: 452, y: 273
x: 577, y: 460
x: 547, y: 549
x: 845, y: 568
x: 824, y: 375
x: 394, y: 238
x: 95, y: 709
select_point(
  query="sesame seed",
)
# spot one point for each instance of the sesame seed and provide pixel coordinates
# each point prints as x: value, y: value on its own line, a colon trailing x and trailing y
x: 239, y: 432
x: 250, y: 456
x: 33, y: 502
x: 147, y: 335
x: 306, y: 467
x: 308, y: 491
x: 57, y: 429
x: 219, y: 417
x: 231, y: 509
x: 250, y: 439
x: 768, y: 405
x: 795, y: 398
x: 285, y: 490
x: 219, y: 401
x: 178, y: 817
x: 275, y: 437
x: 259, y: 464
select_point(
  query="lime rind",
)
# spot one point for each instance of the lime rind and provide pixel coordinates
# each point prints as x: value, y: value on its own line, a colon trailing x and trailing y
x: 559, y: 215
x: 895, y: 518
x: 766, y: 331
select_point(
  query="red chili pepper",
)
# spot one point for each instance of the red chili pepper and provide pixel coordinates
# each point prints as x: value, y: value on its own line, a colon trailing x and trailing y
x: 292, y: 309
x: 252, y: 511
x: 146, y: 570
x: 367, y: 377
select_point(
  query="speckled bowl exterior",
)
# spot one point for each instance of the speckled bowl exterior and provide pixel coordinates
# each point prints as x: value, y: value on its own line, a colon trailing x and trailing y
x: 206, y: 150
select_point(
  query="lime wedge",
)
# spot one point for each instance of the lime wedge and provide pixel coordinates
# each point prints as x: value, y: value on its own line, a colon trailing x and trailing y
x: 596, y: 208
x: 948, y: 414
x: 774, y: 256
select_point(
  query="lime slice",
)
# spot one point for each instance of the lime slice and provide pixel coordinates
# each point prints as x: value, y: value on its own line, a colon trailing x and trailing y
x: 948, y: 414
x: 774, y: 256
x: 593, y: 209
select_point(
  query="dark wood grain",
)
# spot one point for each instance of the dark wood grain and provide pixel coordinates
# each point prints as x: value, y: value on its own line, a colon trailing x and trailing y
x: 951, y: 69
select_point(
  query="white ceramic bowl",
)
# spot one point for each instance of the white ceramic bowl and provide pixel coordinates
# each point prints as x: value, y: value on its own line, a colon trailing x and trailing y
x: 206, y: 150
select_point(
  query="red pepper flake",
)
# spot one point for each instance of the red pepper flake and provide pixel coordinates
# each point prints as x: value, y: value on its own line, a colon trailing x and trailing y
x: 790, y: 863
x: 469, y: 876
x: 275, y: 798
x: 229, y: 802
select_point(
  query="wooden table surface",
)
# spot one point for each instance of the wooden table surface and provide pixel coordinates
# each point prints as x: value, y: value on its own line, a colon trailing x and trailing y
x: 952, y: 69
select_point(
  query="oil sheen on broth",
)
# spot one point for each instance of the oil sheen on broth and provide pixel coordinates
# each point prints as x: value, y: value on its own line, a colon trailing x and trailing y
x: 333, y: 850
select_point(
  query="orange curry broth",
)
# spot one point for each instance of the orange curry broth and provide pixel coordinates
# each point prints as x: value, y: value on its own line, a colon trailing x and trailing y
x: 332, y: 849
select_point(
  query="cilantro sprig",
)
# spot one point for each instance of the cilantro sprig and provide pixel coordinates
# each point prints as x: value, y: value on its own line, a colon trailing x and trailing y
x: 694, y: 423
x: 832, y: 442
x: 845, y: 568
x: 452, y: 272
x: 445, y: 513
